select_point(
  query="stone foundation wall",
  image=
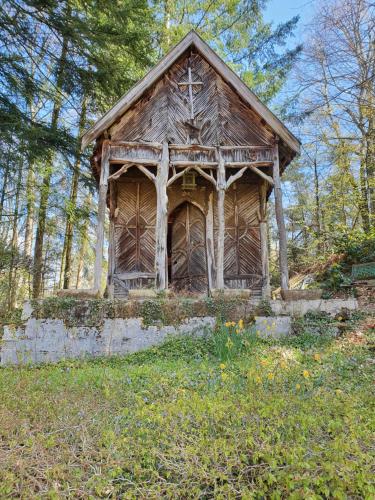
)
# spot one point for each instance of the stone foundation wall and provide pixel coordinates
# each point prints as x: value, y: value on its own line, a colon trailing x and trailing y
x: 53, y: 330
x: 50, y: 340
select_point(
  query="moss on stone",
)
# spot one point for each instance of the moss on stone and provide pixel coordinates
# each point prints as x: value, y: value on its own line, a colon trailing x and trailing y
x: 159, y: 311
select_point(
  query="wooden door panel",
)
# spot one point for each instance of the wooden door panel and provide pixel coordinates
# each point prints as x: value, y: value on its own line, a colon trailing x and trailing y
x: 135, y: 227
x: 188, y: 256
x: 242, y: 257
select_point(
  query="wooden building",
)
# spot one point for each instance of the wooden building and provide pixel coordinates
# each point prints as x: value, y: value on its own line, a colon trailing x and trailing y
x: 185, y: 162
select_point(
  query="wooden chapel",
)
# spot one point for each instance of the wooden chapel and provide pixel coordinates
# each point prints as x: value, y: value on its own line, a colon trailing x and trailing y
x: 185, y: 162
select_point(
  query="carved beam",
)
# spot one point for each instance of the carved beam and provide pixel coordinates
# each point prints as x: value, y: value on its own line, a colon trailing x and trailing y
x: 262, y: 174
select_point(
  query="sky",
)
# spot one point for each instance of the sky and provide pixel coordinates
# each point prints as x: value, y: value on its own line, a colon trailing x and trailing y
x: 279, y: 11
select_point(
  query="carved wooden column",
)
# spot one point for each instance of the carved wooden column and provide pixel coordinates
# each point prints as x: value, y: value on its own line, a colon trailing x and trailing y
x: 210, y: 243
x: 283, y: 256
x: 162, y: 220
x: 111, y: 239
x: 263, y: 229
x: 221, y: 186
x: 102, y: 207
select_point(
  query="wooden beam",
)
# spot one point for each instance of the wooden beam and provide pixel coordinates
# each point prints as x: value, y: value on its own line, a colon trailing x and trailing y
x: 118, y: 174
x: 131, y: 144
x: 161, y: 228
x: 134, y: 275
x: 102, y: 207
x: 177, y: 176
x: 136, y: 161
x: 209, y: 177
x: 283, y: 256
x: 263, y: 230
x: 249, y: 148
x: 262, y: 174
x: 191, y: 147
x: 188, y: 163
x: 221, y: 186
x: 235, y: 177
x: 239, y: 164
x: 147, y: 173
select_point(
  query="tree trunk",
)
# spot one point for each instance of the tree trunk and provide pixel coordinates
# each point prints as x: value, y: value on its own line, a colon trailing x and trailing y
x: 12, y: 292
x: 69, y: 229
x: 4, y: 189
x: 102, y: 207
x: 83, y: 245
x: 46, y: 183
x: 30, y: 200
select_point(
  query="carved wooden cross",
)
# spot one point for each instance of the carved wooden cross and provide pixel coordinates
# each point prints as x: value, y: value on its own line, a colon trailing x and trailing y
x: 190, y: 83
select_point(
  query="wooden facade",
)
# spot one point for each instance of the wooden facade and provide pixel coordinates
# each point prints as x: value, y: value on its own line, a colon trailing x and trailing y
x: 185, y: 162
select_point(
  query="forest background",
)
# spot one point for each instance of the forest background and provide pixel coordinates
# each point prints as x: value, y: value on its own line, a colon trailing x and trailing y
x: 64, y: 63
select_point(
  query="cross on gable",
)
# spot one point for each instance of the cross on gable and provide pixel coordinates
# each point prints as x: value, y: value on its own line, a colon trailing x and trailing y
x: 190, y: 84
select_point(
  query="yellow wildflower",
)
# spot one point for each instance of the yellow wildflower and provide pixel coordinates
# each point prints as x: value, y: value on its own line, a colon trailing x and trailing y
x: 258, y: 380
x: 264, y: 362
x: 317, y: 357
x: 240, y: 324
x: 283, y: 365
x: 298, y: 387
x: 227, y: 324
x: 229, y: 344
x: 306, y: 373
x: 233, y: 323
x: 222, y: 366
x: 238, y: 330
x: 338, y: 391
x: 270, y: 376
x: 224, y: 376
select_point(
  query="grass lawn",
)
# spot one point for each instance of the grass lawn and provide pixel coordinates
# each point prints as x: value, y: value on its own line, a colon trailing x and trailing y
x: 293, y: 419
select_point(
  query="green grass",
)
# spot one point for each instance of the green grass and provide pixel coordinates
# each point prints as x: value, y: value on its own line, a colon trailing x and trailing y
x: 292, y: 419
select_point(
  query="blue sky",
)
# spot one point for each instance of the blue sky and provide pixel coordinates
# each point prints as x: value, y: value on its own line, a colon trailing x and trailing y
x: 279, y: 11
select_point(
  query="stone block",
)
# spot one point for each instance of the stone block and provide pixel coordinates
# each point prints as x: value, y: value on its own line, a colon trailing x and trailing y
x: 236, y: 293
x: 312, y: 294
x: 142, y: 293
x: 83, y: 293
x: 273, y: 326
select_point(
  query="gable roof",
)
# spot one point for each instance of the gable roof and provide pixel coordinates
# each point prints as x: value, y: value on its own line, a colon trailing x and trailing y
x: 191, y: 39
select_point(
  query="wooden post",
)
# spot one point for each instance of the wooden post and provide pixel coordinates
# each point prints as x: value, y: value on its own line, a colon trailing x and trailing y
x: 111, y: 242
x: 263, y: 230
x: 162, y: 220
x: 283, y: 256
x: 210, y: 250
x: 103, y: 186
x: 221, y: 185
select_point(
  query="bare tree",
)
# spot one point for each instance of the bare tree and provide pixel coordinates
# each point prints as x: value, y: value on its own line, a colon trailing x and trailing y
x: 337, y: 77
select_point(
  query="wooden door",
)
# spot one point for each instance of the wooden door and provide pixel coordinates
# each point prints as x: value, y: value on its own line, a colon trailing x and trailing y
x: 188, y: 249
